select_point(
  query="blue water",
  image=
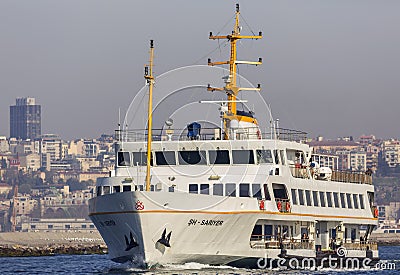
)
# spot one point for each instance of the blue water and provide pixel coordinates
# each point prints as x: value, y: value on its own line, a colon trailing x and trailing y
x: 100, y: 264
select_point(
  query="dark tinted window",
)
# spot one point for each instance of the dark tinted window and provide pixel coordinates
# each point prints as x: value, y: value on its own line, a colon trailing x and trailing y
x: 349, y: 203
x: 117, y: 189
x: 294, y: 197
x: 336, y: 199
x: 192, y: 157
x: 243, y: 156
x: 244, y: 190
x: 193, y: 188
x: 256, y: 190
x: 140, y: 158
x: 361, y: 197
x: 126, y: 188
x: 322, y: 198
x: 124, y: 159
x: 230, y: 189
x: 301, y: 197
x: 264, y: 156
x: 219, y: 157
x: 308, y: 197
x: 218, y: 189
x: 266, y: 192
x: 165, y: 158
x: 342, y: 199
x: 204, y: 189
x: 329, y: 198
x: 315, y: 198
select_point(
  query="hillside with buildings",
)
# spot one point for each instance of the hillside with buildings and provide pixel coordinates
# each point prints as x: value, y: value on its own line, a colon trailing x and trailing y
x: 46, y: 182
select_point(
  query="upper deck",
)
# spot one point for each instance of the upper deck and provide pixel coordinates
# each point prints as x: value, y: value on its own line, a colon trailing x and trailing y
x: 215, y: 133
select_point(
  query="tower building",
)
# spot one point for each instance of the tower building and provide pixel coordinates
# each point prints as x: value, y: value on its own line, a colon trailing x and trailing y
x: 25, y: 119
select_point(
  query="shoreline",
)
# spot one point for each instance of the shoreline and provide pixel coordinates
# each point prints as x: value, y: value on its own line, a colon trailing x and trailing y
x: 24, y: 244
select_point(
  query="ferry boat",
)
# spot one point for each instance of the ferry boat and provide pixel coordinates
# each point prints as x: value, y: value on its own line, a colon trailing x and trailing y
x: 263, y: 195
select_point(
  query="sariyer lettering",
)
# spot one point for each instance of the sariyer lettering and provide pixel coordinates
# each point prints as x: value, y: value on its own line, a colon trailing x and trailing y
x: 205, y: 222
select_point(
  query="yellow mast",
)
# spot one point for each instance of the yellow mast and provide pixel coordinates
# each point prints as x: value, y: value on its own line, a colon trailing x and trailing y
x: 231, y: 87
x: 148, y: 75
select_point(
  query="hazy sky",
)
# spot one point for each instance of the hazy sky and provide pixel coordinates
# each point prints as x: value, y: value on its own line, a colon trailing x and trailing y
x: 331, y: 67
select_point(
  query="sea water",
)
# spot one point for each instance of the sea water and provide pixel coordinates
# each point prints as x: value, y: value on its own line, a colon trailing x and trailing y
x: 100, y: 264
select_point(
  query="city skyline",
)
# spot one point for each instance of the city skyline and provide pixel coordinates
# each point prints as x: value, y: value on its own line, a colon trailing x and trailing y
x: 330, y: 68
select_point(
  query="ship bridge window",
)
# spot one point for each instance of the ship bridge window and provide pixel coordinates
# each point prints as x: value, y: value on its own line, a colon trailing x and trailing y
x: 329, y: 199
x: 361, y: 197
x: 301, y: 197
x: 267, y: 196
x: 294, y: 156
x: 370, y: 198
x: 126, y: 188
x: 193, y: 188
x: 205, y: 189
x: 218, y: 189
x: 244, y: 190
x: 98, y: 192
x: 106, y: 190
x: 124, y: 159
x: 315, y: 197
x: 192, y: 157
x: 218, y: 157
x: 322, y: 199
x: 342, y: 200
x: 308, y: 197
x: 256, y: 191
x: 264, y: 156
x: 336, y: 199
x: 294, y: 197
x: 140, y: 159
x: 117, y: 189
x: 355, y: 201
x: 279, y: 191
x: 230, y: 190
x: 165, y: 158
x: 243, y: 157
x: 349, y: 203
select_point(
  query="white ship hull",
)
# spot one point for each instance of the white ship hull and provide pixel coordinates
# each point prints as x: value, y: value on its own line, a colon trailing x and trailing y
x: 203, y: 229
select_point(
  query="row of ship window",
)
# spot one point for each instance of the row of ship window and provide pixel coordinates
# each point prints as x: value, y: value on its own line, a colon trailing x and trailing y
x: 299, y: 196
x: 202, y: 157
x: 327, y: 199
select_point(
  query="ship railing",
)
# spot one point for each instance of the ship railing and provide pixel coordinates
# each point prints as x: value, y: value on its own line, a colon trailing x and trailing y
x: 302, y: 171
x: 277, y: 242
x: 283, y: 205
x: 352, y: 177
x: 212, y: 133
x: 357, y: 245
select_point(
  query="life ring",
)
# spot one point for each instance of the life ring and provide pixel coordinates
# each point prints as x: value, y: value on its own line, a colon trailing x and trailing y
x: 261, y: 205
x: 376, y: 212
x: 279, y: 205
x: 258, y: 134
x: 287, y: 206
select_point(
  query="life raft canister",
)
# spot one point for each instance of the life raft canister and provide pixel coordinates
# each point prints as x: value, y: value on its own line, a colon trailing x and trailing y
x: 261, y: 205
x: 279, y: 205
x: 376, y: 212
x: 287, y: 206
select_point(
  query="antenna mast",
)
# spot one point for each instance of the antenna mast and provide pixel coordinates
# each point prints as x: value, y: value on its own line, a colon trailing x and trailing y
x: 148, y: 75
x: 231, y: 87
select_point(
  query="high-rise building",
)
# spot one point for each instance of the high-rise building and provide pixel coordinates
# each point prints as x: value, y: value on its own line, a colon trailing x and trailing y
x: 25, y: 119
